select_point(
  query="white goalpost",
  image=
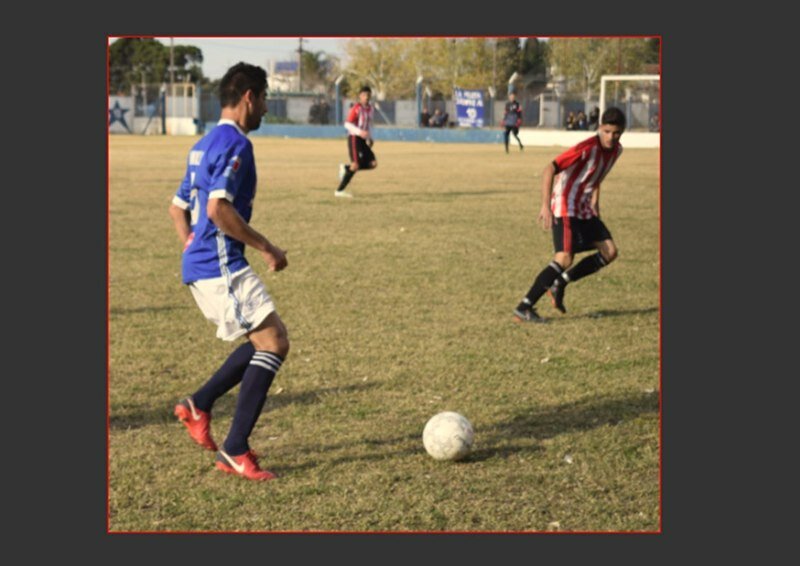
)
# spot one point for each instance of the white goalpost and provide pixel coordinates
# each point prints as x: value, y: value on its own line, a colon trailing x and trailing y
x: 605, y: 79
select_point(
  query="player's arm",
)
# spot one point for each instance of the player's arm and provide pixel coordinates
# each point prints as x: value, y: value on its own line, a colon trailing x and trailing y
x: 595, y: 201
x: 226, y: 218
x: 179, y: 211
x: 180, y: 218
x: 350, y: 124
x: 519, y: 116
x: 545, y: 214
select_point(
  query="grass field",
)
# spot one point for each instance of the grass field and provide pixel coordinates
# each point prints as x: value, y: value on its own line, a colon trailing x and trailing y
x: 398, y: 305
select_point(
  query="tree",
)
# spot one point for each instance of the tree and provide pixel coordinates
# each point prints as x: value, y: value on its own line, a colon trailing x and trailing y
x: 582, y: 61
x: 391, y: 66
x: 133, y: 61
x: 381, y: 63
x: 319, y: 70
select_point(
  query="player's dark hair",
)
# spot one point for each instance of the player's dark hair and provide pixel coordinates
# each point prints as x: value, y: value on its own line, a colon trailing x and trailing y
x: 365, y: 88
x: 613, y: 116
x: 239, y: 79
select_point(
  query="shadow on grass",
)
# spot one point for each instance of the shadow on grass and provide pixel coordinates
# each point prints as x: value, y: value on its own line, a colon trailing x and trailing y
x: 531, y: 425
x: 610, y: 313
x: 137, y: 416
x: 443, y: 196
x: 116, y: 310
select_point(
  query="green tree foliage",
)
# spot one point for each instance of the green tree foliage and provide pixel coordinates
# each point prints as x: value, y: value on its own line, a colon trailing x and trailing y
x: 133, y: 61
x: 583, y: 61
x: 319, y: 71
x: 534, y: 57
x: 653, y: 50
x: 391, y: 66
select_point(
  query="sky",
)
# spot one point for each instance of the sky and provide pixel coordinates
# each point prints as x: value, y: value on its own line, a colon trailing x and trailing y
x: 221, y: 53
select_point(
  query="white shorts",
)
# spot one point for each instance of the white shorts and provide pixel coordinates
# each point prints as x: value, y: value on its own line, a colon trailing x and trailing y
x: 236, y: 308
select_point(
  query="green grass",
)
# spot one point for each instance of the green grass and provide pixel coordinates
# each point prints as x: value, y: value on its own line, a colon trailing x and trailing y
x: 398, y: 305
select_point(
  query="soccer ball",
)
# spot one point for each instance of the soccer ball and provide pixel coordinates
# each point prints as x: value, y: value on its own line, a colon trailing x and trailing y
x: 448, y: 436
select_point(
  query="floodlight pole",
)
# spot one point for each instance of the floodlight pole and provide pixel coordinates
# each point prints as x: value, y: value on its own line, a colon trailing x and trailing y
x: 511, y: 80
x: 338, y: 83
x: 419, y: 101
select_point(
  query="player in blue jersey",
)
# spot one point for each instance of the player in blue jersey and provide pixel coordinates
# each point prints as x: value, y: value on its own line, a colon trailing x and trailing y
x: 211, y: 212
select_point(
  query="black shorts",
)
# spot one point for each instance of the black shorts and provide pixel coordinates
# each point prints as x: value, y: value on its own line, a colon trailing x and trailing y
x: 573, y: 235
x: 357, y: 146
x: 512, y: 129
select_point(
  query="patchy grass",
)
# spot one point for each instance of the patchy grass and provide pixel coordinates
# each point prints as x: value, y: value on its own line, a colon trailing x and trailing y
x: 398, y: 305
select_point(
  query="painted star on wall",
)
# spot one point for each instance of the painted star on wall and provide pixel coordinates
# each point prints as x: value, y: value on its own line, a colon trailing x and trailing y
x: 117, y: 114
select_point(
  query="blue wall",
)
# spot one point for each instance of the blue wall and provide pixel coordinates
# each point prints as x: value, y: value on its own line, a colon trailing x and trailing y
x: 448, y: 135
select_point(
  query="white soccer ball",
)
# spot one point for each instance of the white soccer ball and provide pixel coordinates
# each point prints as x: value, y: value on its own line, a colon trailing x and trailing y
x: 448, y: 436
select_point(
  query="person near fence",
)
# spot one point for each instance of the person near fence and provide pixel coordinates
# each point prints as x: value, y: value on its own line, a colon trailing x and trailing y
x: 438, y: 120
x: 211, y: 213
x: 424, y: 118
x: 581, y: 122
x: 512, y: 120
x: 594, y: 115
x: 571, y: 121
x: 571, y: 210
x: 359, y: 141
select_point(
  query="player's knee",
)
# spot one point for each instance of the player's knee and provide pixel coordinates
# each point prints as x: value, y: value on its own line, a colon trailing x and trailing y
x: 564, y: 260
x: 282, y: 346
x: 610, y: 253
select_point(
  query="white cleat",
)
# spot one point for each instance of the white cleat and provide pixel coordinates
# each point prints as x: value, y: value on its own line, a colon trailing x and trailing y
x: 342, y: 194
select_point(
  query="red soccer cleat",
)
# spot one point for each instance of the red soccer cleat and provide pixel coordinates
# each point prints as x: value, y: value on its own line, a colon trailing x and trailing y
x: 197, y: 422
x: 245, y: 465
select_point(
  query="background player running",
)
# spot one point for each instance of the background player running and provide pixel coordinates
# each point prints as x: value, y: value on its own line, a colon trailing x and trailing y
x: 359, y: 141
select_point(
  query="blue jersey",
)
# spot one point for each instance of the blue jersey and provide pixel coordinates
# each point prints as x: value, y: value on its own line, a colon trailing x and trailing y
x: 220, y: 165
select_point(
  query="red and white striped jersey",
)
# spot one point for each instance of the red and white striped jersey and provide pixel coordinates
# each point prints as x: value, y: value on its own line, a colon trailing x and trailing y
x: 579, y: 171
x: 361, y: 116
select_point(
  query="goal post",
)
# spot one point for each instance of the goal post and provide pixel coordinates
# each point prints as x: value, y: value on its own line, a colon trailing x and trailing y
x: 642, y: 99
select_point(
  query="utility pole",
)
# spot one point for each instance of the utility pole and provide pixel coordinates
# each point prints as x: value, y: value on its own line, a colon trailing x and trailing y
x: 494, y: 64
x: 300, y: 64
x: 171, y: 71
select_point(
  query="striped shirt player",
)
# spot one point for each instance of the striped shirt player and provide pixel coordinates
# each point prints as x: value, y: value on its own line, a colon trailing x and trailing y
x: 359, y: 141
x: 512, y: 120
x: 571, y: 208
x: 211, y: 211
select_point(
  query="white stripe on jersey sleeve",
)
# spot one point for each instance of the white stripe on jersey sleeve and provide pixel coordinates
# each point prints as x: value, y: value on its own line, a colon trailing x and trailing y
x: 180, y: 203
x: 221, y: 193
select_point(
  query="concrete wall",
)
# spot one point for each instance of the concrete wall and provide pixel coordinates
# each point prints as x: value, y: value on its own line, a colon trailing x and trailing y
x: 529, y: 136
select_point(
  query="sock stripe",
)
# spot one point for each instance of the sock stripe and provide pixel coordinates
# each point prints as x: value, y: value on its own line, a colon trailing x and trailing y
x: 264, y: 365
x: 267, y: 360
x: 554, y: 265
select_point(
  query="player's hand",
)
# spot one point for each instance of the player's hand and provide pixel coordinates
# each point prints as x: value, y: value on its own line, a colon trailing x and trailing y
x: 370, y: 142
x: 363, y: 134
x: 275, y: 258
x: 546, y: 217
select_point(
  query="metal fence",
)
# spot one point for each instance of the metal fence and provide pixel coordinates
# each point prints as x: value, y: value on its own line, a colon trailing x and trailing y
x: 155, y: 106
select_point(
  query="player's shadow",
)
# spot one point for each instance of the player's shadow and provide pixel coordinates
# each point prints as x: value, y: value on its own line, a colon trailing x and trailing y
x: 117, y: 311
x: 131, y: 416
x: 534, y: 424
x: 603, y: 313
x: 442, y: 196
